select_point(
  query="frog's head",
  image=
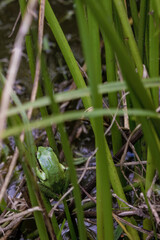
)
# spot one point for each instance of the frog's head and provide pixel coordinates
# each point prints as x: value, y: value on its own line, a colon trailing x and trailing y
x: 43, y: 151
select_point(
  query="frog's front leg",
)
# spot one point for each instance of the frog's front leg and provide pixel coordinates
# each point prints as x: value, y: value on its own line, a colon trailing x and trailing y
x: 40, y: 174
x: 45, y: 190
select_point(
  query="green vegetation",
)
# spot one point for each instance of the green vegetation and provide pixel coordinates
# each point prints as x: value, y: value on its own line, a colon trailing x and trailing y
x: 121, y: 37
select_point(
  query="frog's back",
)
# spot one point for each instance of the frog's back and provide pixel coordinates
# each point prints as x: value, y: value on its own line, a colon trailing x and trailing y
x: 54, y: 170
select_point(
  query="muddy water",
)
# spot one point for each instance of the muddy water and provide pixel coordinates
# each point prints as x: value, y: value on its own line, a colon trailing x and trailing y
x: 66, y: 17
x: 8, y: 16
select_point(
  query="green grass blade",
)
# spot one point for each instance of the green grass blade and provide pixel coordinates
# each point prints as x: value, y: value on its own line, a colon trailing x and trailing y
x: 104, y: 206
x: 69, y: 219
x: 111, y: 77
x: 128, y: 34
x: 142, y: 27
x: 154, y: 49
x: 157, y: 7
x: 134, y: 14
x: 75, y: 94
x: 74, y: 115
x: 38, y: 215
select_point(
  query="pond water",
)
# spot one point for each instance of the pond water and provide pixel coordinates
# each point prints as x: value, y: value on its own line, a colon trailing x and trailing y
x: 8, y: 16
x: 65, y: 15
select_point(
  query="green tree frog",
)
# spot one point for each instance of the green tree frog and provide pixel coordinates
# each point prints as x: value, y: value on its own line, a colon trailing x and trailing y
x: 53, y: 176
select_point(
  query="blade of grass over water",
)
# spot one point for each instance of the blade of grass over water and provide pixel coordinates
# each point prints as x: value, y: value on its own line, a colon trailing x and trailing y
x: 75, y: 94
x: 73, y: 115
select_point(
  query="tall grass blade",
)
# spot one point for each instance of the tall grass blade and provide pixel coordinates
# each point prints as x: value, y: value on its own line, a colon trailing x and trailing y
x: 142, y: 27
x: 135, y: 17
x: 74, y: 115
x: 111, y: 77
x: 128, y: 35
x: 154, y: 48
x: 104, y: 215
